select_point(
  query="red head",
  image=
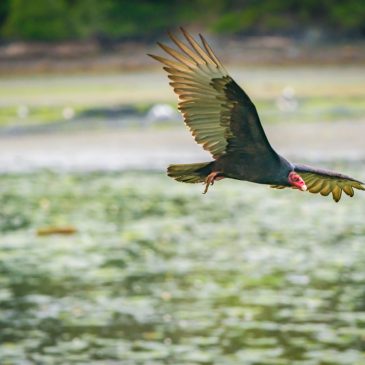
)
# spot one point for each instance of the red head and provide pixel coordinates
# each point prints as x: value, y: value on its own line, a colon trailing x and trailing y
x: 296, y: 181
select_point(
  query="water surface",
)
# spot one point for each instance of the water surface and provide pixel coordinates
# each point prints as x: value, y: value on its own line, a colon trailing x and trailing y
x: 157, y: 273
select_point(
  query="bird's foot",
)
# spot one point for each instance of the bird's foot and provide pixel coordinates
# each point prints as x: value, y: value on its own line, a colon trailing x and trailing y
x: 213, y: 176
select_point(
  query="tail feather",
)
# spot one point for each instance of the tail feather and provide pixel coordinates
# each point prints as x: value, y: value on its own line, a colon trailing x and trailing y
x: 190, y: 173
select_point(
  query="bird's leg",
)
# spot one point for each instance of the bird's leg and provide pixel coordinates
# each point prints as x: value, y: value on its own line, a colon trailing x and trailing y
x: 213, y: 176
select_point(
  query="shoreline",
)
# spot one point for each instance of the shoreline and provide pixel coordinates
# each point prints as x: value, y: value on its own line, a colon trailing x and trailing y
x: 19, y: 58
x: 153, y: 149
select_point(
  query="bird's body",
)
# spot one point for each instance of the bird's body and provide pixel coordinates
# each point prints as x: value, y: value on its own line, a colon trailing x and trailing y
x: 223, y: 119
x: 253, y: 168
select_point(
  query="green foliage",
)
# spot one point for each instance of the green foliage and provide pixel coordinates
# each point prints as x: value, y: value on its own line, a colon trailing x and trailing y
x: 121, y: 19
x: 335, y: 16
x: 4, y: 10
x: 37, y: 20
x: 233, y: 22
x: 349, y: 15
x: 127, y: 19
x: 88, y: 17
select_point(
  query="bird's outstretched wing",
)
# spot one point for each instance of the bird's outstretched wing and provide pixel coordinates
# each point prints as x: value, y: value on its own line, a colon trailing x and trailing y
x: 219, y: 114
x: 326, y: 182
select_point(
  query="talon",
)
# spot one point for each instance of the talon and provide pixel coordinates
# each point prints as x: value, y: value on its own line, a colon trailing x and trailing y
x: 210, y: 180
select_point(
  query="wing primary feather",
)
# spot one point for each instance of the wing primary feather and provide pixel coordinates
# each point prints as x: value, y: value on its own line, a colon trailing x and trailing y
x: 170, y: 63
x: 197, y: 75
x: 188, y: 80
x: 203, y: 89
x: 194, y: 91
x: 326, y: 189
x: 176, y: 76
x: 211, y: 53
x: 178, y: 56
x: 208, y: 103
x: 336, y: 193
x: 359, y: 186
x: 196, y: 58
x: 317, y: 187
x: 348, y: 190
x: 196, y: 47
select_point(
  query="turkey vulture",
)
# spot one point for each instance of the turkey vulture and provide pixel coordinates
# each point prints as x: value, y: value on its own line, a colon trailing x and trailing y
x: 223, y: 119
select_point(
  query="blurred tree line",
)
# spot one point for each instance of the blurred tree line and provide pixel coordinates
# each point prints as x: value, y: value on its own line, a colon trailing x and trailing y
x: 110, y: 20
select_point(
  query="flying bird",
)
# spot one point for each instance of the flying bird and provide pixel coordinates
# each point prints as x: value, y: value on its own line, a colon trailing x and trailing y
x: 223, y: 119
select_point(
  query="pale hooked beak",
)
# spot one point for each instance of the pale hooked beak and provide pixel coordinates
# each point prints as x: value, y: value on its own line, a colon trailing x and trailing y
x: 303, y: 187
